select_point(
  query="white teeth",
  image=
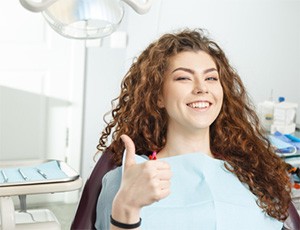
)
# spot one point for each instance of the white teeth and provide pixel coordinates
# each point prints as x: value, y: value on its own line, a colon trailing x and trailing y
x: 199, y: 105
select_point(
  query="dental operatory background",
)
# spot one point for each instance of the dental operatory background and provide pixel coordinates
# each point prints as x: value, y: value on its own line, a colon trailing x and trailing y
x: 54, y: 90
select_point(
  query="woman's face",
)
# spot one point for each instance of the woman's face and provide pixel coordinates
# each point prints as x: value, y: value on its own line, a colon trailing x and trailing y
x: 192, y: 92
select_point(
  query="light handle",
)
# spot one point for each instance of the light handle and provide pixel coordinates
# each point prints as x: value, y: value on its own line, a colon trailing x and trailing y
x: 37, y: 6
x: 140, y: 8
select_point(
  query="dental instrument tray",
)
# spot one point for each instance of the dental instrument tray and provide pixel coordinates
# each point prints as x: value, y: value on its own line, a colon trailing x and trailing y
x: 50, y: 171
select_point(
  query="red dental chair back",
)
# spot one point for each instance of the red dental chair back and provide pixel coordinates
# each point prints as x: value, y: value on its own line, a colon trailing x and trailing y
x: 85, y: 216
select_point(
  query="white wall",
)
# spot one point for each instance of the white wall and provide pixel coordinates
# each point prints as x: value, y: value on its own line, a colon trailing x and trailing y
x: 261, y: 39
x: 105, y: 68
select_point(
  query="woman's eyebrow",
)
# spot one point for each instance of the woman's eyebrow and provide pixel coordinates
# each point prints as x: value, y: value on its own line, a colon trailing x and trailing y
x: 209, y: 70
x: 184, y: 69
x: 192, y: 71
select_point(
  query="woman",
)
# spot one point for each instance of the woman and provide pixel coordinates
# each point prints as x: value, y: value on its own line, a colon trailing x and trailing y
x: 215, y: 169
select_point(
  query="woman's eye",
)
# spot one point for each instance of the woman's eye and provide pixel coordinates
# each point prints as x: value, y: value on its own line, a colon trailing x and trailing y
x: 212, y: 79
x: 182, y: 78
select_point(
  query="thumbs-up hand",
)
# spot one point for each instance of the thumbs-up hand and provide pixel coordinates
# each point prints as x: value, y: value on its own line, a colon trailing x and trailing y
x: 142, y: 184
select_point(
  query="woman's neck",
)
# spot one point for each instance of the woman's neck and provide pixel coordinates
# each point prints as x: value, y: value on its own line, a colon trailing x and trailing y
x: 179, y: 143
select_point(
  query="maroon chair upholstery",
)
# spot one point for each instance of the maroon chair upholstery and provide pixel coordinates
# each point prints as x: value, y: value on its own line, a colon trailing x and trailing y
x: 293, y: 221
x: 85, y: 216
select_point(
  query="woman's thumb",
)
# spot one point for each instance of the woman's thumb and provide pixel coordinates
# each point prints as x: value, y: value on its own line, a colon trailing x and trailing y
x: 129, y: 151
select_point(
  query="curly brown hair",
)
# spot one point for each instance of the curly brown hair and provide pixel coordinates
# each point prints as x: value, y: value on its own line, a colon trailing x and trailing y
x: 235, y: 136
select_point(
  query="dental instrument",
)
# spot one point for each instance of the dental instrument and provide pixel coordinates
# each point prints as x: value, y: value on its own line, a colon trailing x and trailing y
x: 4, y: 176
x: 42, y: 173
x: 22, y: 174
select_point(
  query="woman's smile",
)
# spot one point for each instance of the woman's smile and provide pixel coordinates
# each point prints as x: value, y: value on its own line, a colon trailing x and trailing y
x: 199, y: 105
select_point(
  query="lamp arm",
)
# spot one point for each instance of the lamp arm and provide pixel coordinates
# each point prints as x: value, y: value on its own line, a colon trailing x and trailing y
x: 140, y: 8
x: 36, y: 6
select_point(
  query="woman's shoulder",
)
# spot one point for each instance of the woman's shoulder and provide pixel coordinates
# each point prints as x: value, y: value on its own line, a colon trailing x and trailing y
x: 112, y: 180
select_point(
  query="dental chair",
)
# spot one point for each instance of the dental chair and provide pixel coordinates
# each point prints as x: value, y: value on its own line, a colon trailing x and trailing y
x: 85, y: 216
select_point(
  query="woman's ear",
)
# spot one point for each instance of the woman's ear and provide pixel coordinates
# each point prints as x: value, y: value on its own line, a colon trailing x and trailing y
x: 160, y: 102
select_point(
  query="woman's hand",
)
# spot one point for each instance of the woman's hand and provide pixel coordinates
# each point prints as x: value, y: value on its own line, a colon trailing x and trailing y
x: 142, y: 184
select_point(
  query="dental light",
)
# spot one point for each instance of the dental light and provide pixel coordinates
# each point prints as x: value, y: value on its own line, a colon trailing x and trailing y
x: 84, y: 19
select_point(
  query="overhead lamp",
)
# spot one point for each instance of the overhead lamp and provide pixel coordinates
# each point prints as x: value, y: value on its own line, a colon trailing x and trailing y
x: 85, y: 19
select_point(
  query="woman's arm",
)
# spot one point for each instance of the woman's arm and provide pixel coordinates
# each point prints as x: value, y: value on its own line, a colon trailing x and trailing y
x: 142, y: 185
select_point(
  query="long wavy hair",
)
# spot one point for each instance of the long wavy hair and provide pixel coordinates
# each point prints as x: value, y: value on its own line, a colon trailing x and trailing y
x: 235, y: 136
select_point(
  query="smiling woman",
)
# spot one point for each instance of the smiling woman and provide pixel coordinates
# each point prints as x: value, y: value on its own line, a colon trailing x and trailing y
x: 214, y: 167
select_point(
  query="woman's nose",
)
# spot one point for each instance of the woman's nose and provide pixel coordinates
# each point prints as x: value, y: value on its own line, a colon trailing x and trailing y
x: 200, y: 87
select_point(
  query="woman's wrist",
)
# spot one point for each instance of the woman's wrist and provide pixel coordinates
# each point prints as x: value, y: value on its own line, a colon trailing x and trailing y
x: 124, y: 213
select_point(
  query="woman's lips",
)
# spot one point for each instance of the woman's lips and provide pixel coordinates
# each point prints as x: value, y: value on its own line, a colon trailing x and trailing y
x: 199, y: 104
